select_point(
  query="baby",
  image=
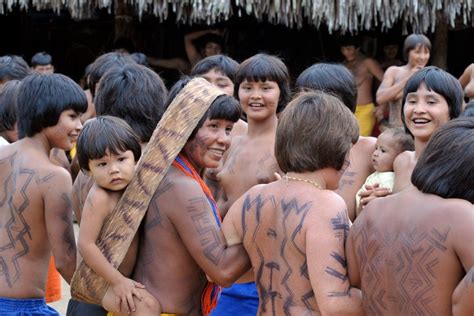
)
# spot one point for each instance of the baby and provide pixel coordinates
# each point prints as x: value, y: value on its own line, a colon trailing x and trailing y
x: 390, y: 143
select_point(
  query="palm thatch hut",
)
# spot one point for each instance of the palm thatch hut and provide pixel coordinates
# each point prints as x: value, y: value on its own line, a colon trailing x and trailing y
x: 303, y: 31
x: 339, y: 15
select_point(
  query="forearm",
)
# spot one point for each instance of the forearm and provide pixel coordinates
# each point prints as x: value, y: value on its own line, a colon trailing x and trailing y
x: 66, y: 265
x: 233, y: 264
x: 349, y: 304
x: 463, y: 296
x: 96, y: 260
x: 391, y: 93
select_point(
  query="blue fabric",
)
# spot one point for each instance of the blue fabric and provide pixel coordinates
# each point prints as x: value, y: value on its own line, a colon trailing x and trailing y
x: 25, y: 307
x: 239, y: 299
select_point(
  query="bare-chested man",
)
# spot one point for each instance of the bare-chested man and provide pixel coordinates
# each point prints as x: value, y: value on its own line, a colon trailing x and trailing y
x: 337, y: 80
x: 364, y: 70
x: 416, y: 51
x: 35, y: 199
x: 294, y: 229
x: 262, y: 86
x: 409, y: 251
x: 467, y: 81
x: 182, y: 240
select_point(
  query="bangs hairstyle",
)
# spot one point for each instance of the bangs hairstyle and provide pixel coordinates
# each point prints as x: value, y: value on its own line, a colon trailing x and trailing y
x: 41, y: 59
x: 314, y: 132
x: 13, y: 67
x: 221, y: 63
x: 445, y: 167
x: 334, y: 79
x: 439, y: 81
x: 413, y: 41
x: 106, y: 135
x: 263, y: 67
x: 41, y: 100
x: 224, y: 107
x: 134, y: 93
x: 103, y: 64
x: 8, y: 95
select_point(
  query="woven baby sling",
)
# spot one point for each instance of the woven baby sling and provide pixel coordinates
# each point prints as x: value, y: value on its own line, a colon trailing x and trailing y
x: 169, y: 137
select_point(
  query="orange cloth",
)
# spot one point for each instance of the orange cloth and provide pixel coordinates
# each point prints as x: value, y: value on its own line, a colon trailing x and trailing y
x: 53, y: 283
x: 211, y: 292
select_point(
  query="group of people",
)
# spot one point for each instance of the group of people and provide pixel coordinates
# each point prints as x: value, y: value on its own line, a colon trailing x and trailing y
x: 254, y: 215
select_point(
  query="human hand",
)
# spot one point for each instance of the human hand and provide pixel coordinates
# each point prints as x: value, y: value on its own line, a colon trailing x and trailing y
x: 379, y: 112
x: 372, y: 192
x: 125, y: 290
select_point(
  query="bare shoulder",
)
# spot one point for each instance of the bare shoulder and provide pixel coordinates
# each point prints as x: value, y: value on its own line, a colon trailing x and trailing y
x: 365, y: 145
x: 330, y: 204
x: 99, y: 196
x: 403, y: 159
x: 54, y: 176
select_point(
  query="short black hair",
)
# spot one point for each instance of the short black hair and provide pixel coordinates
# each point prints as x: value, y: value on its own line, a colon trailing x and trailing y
x: 468, y: 110
x: 413, y: 41
x: 41, y: 100
x: 13, y: 68
x: 134, y: 93
x: 41, y: 59
x: 224, y: 64
x: 439, y: 81
x: 103, y: 64
x: 264, y: 67
x: 106, y: 134
x: 445, y: 167
x: 8, y: 96
x: 350, y: 41
x: 334, y: 79
x: 140, y: 59
x: 223, y: 107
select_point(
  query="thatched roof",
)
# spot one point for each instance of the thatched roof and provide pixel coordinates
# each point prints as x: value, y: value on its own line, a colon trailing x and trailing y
x: 342, y: 15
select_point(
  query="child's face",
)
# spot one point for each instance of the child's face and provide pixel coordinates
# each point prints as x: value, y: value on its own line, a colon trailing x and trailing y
x: 424, y: 112
x: 209, y: 144
x: 220, y: 80
x: 64, y: 134
x: 419, y: 56
x: 113, y: 172
x: 386, y: 150
x: 259, y: 99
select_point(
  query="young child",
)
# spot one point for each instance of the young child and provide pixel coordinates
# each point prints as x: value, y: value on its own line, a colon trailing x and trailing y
x: 35, y: 211
x: 416, y: 51
x: 262, y: 87
x: 107, y: 150
x: 389, y: 145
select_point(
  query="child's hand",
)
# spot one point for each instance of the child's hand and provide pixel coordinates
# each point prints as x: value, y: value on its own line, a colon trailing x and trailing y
x: 125, y: 289
x: 372, y: 192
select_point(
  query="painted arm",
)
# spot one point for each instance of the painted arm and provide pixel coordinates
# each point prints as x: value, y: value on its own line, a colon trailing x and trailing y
x: 327, y: 264
x: 197, y: 226
x: 58, y: 219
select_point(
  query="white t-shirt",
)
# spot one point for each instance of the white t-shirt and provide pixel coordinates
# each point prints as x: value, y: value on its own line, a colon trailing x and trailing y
x: 3, y: 141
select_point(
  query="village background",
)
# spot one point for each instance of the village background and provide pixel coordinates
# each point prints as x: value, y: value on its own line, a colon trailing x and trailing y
x: 300, y: 32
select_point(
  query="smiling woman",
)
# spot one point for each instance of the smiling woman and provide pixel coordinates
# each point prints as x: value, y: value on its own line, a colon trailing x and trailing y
x: 431, y: 98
